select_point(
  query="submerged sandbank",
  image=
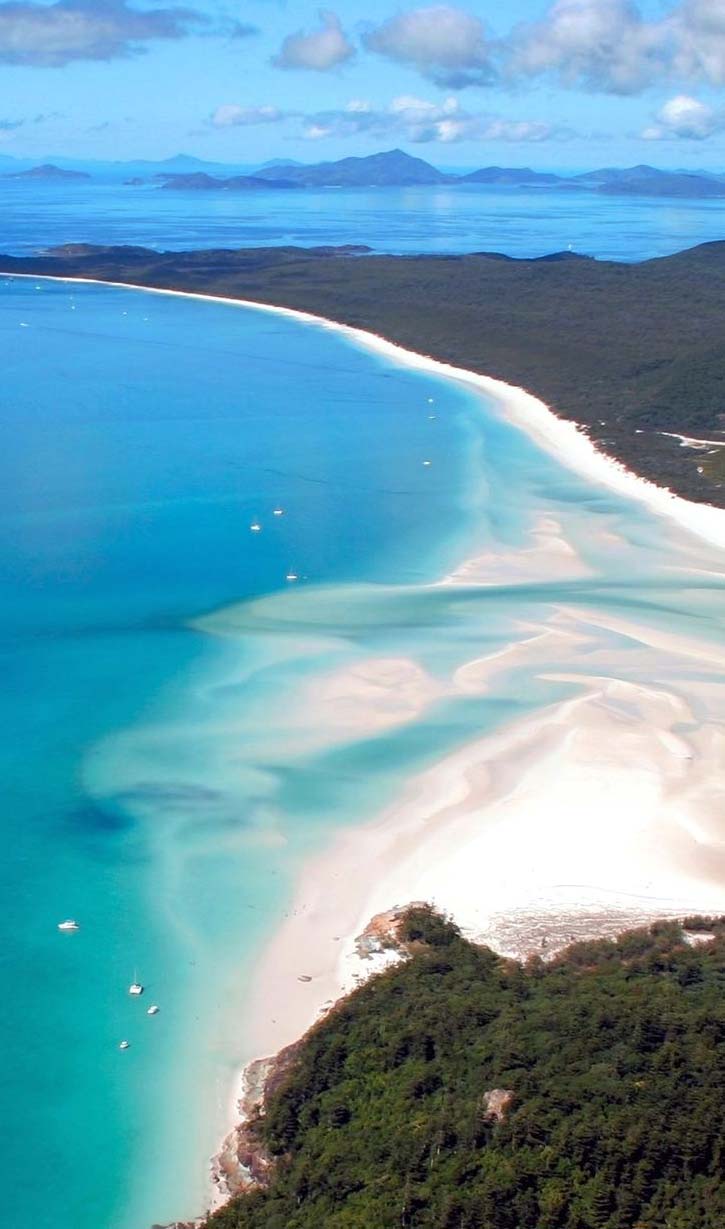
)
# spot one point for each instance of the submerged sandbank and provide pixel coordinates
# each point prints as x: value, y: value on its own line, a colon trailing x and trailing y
x: 596, y: 812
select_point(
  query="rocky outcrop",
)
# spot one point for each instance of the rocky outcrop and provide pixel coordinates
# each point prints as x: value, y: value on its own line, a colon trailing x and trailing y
x: 243, y: 1163
x: 496, y: 1102
x: 382, y: 933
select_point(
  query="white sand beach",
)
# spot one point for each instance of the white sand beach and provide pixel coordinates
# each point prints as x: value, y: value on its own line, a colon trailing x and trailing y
x: 597, y: 809
x: 602, y: 810
x: 558, y: 436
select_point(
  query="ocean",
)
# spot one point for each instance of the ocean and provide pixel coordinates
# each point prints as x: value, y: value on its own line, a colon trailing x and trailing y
x: 166, y: 770
x: 161, y: 429
x: 469, y: 218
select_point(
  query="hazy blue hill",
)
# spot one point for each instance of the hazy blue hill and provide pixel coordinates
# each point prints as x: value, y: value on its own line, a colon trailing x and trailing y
x: 48, y: 171
x: 198, y: 181
x: 644, y: 180
x: 276, y: 163
x: 184, y: 162
x: 619, y: 174
x: 391, y: 169
x: 510, y: 175
x: 665, y: 184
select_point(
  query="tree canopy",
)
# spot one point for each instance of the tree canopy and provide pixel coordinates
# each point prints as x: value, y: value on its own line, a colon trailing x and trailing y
x: 612, y: 1059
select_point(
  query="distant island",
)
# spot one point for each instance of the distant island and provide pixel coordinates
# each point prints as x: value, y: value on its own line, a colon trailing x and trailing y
x: 198, y: 181
x: 48, y: 171
x: 396, y: 169
x: 513, y: 176
x: 646, y: 181
x: 389, y: 169
x: 632, y: 352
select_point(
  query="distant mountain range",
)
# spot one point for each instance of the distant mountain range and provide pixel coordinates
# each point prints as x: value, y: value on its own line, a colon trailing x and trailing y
x: 398, y: 169
x: 391, y: 169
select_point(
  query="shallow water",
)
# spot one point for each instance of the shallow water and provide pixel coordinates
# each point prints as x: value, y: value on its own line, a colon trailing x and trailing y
x: 434, y: 219
x: 166, y: 762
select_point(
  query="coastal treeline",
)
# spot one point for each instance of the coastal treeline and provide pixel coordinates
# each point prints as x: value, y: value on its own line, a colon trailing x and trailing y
x: 460, y: 1090
x: 630, y: 351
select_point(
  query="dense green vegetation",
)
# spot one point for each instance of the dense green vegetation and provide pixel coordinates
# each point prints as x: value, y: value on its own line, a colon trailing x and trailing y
x: 628, y: 350
x: 614, y: 1053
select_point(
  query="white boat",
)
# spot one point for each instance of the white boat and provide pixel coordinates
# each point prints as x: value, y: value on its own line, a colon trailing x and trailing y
x: 153, y: 1010
x: 278, y: 512
x: 426, y: 462
x: 135, y: 986
x: 69, y: 924
x: 255, y: 526
x: 291, y: 576
x: 123, y: 1045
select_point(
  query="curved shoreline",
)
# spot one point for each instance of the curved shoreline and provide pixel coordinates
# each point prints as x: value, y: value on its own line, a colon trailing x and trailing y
x: 560, y: 437
x: 382, y: 840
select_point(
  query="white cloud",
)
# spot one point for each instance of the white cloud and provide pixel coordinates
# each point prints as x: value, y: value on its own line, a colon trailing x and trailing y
x: 699, y: 31
x: 317, y: 132
x: 420, y: 121
x: 445, y: 43
x: 229, y: 115
x: 609, y: 46
x: 319, y: 50
x: 684, y: 118
x: 596, y: 44
x: 50, y: 35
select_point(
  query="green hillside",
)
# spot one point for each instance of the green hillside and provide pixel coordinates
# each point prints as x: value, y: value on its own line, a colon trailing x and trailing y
x: 611, y: 1059
x: 634, y: 352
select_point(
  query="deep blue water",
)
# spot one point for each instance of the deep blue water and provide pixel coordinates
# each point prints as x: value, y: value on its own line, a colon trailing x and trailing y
x: 438, y: 219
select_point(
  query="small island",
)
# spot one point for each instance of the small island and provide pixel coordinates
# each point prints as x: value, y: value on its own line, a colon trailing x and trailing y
x: 199, y: 181
x: 48, y: 171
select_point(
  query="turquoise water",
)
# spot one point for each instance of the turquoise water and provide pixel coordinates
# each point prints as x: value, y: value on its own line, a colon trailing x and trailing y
x: 165, y: 769
x: 468, y: 218
x: 129, y: 476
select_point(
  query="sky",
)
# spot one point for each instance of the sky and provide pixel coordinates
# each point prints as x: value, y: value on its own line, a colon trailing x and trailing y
x: 575, y: 84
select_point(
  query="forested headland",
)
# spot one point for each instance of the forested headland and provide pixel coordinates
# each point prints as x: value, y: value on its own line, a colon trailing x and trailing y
x: 462, y: 1090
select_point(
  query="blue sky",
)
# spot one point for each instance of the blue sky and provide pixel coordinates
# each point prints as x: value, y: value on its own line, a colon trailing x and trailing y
x: 576, y: 83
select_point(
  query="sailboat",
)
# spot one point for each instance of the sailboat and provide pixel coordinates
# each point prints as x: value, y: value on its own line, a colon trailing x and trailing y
x: 135, y: 988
